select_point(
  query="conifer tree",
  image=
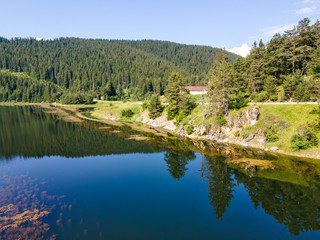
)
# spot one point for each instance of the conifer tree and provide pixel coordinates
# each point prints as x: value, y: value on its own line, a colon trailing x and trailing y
x: 154, y: 107
x: 174, y: 89
x: 270, y: 87
x: 291, y: 53
x: 220, y: 84
x: 305, y: 43
x: 239, y: 69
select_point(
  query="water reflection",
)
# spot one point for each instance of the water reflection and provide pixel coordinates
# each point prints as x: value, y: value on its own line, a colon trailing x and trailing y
x: 177, y: 161
x: 295, y: 206
x: 220, y: 184
x: 27, y: 131
x: 25, y: 205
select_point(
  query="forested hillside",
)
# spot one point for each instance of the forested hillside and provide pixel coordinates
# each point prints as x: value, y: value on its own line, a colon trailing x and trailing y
x: 108, y: 68
x: 75, y: 70
x: 286, y: 68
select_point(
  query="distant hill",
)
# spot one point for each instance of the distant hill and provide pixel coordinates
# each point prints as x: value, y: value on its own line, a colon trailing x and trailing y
x: 107, y: 66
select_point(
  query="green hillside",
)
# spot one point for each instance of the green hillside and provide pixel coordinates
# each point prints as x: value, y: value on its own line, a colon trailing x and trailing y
x: 107, y: 67
x: 23, y: 88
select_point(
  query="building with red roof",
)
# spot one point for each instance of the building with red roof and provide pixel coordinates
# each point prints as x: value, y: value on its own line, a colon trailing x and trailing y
x: 197, y: 90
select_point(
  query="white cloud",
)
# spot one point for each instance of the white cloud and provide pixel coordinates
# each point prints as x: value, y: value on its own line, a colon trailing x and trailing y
x: 309, y: 1
x: 243, y: 51
x: 271, y: 31
x: 306, y: 10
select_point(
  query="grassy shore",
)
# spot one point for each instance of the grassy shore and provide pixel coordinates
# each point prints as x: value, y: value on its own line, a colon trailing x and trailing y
x: 302, y: 171
x: 287, y: 119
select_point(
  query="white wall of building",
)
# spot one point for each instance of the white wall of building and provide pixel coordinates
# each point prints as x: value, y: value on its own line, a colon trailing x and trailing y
x: 197, y: 92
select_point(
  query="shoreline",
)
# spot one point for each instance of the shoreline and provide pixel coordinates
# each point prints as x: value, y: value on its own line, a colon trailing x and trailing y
x: 71, y: 113
x: 315, y: 156
x: 163, y: 132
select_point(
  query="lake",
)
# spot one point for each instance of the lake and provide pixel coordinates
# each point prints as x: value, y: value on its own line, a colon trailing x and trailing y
x: 88, y: 180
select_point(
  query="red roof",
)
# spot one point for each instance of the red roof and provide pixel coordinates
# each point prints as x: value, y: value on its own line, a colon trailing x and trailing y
x: 196, y: 88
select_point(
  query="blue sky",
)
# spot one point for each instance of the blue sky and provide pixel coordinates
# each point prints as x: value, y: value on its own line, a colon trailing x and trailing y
x: 223, y: 23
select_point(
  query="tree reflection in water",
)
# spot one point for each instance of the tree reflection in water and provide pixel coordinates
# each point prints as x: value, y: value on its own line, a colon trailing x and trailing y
x: 177, y: 161
x: 295, y: 206
x: 24, y: 207
x: 29, y: 132
x: 220, y: 184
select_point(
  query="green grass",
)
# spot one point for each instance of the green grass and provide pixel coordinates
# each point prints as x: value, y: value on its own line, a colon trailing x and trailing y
x: 284, y: 176
x: 196, y: 117
x: 115, y: 109
x: 288, y: 119
x: 198, y: 98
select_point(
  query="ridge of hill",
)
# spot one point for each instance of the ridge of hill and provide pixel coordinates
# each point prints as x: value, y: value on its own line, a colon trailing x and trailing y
x: 107, y: 66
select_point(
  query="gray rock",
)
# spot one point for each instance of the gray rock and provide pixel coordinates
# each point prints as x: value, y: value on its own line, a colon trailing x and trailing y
x: 248, y: 139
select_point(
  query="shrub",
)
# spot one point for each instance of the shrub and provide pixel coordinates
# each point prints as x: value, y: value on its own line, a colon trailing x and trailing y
x: 172, y: 111
x: 311, y: 137
x: 187, y: 103
x: 306, y: 140
x: 298, y: 143
x: 301, y: 94
x: 144, y: 105
x: 316, y: 111
x: 180, y: 117
x: 88, y: 97
x: 261, y: 97
x: 238, y: 101
x: 274, y: 98
x: 126, y: 113
x: 245, y: 135
x: 155, y: 109
x: 189, y: 129
x: 69, y: 97
x: 220, y: 119
x: 271, y: 134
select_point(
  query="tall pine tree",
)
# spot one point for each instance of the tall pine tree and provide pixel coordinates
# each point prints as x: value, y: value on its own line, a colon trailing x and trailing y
x: 220, y: 84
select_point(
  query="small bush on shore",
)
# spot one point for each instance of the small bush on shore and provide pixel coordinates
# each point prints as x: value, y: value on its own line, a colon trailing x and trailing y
x: 189, y: 129
x: 220, y: 119
x: 271, y: 134
x: 126, y: 113
x: 144, y: 105
x: 304, y: 141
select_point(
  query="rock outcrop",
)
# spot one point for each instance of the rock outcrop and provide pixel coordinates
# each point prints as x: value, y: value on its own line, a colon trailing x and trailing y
x: 160, y: 122
x: 230, y: 133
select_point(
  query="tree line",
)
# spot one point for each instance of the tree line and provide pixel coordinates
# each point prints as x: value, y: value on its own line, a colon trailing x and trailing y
x: 285, y: 69
x: 109, y: 69
x: 73, y: 70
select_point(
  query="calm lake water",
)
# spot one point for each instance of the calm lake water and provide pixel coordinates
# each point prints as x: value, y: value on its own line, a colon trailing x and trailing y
x: 61, y: 180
